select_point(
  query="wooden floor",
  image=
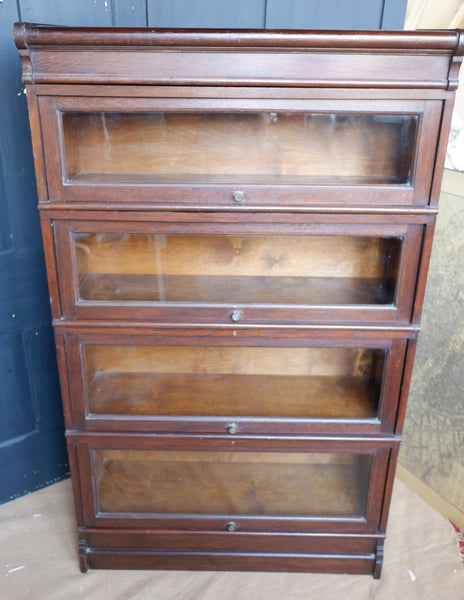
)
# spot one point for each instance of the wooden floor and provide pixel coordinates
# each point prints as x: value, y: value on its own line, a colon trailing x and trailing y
x: 38, y: 552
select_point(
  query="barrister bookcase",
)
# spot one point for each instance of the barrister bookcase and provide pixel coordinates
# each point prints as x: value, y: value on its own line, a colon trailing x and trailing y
x: 237, y: 228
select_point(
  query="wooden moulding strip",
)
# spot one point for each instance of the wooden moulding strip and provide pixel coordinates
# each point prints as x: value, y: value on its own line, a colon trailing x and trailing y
x: 28, y: 35
x: 227, y: 561
x: 259, y: 329
x: 389, y: 60
x: 57, y: 209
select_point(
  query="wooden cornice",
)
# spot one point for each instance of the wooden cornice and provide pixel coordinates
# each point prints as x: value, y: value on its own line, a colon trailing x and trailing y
x: 409, y: 59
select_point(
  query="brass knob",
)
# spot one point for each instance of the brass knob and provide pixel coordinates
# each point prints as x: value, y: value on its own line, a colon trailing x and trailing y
x: 238, y: 196
x: 233, y: 428
x: 231, y: 526
x: 235, y: 316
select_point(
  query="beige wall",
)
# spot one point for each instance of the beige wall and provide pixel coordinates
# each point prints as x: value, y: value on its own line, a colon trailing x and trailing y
x: 432, y: 454
x: 438, y: 14
x: 433, y: 448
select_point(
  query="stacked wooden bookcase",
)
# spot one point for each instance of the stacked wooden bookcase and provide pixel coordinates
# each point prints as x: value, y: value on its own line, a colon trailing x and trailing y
x: 237, y: 228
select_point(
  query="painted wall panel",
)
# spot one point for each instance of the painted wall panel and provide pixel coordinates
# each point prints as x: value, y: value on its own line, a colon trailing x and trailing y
x: 39, y: 459
x: 5, y: 241
x: 16, y: 398
x: 24, y: 298
x: 330, y: 14
x: 40, y: 349
x: 17, y: 168
x: 32, y: 445
x: 129, y: 13
x: 203, y: 13
x: 394, y: 13
x: 67, y: 12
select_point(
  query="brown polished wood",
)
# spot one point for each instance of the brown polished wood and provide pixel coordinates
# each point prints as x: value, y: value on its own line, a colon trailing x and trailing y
x: 357, y: 274
x: 247, y: 483
x: 371, y: 171
x: 241, y: 148
x: 309, y: 366
x: 240, y: 395
x: 237, y: 228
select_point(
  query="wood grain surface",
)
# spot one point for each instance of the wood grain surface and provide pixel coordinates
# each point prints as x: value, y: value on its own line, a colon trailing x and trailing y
x: 241, y: 255
x: 231, y: 147
x: 257, y: 484
x: 154, y: 254
x: 233, y: 395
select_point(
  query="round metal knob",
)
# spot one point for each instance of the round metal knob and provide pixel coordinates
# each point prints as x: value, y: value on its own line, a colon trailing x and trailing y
x: 233, y: 428
x: 238, y: 196
x: 231, y: 526
x: 235, y: 316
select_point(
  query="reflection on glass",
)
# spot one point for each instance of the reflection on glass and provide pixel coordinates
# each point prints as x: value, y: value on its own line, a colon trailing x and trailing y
x: 238, y: 147
x: 232, y: 483
x: 299, y: 270
x: 135, y: 381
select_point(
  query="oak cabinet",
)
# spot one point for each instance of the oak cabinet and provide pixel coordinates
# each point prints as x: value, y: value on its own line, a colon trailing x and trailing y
x: 324, y: 267
x: 274, y: 487
x: 285, y: 153
x: 237, y: 228
x: 191, y: 380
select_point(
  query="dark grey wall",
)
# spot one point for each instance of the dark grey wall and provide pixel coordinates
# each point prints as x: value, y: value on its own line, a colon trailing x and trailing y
x: 300, y: 14
x: 32, y: 451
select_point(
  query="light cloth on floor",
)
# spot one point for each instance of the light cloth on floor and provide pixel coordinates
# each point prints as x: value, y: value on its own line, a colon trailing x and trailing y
x: 38, y: 560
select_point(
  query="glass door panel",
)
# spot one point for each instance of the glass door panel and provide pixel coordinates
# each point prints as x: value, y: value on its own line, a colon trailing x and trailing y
x: 277, y: 484
x: 242, y: 148
x: 311, y: 383
x: 226, y: 269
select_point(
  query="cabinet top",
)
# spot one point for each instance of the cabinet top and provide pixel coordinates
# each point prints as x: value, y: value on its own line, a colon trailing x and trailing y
x: 421, y: 59
x: 449, y: 41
